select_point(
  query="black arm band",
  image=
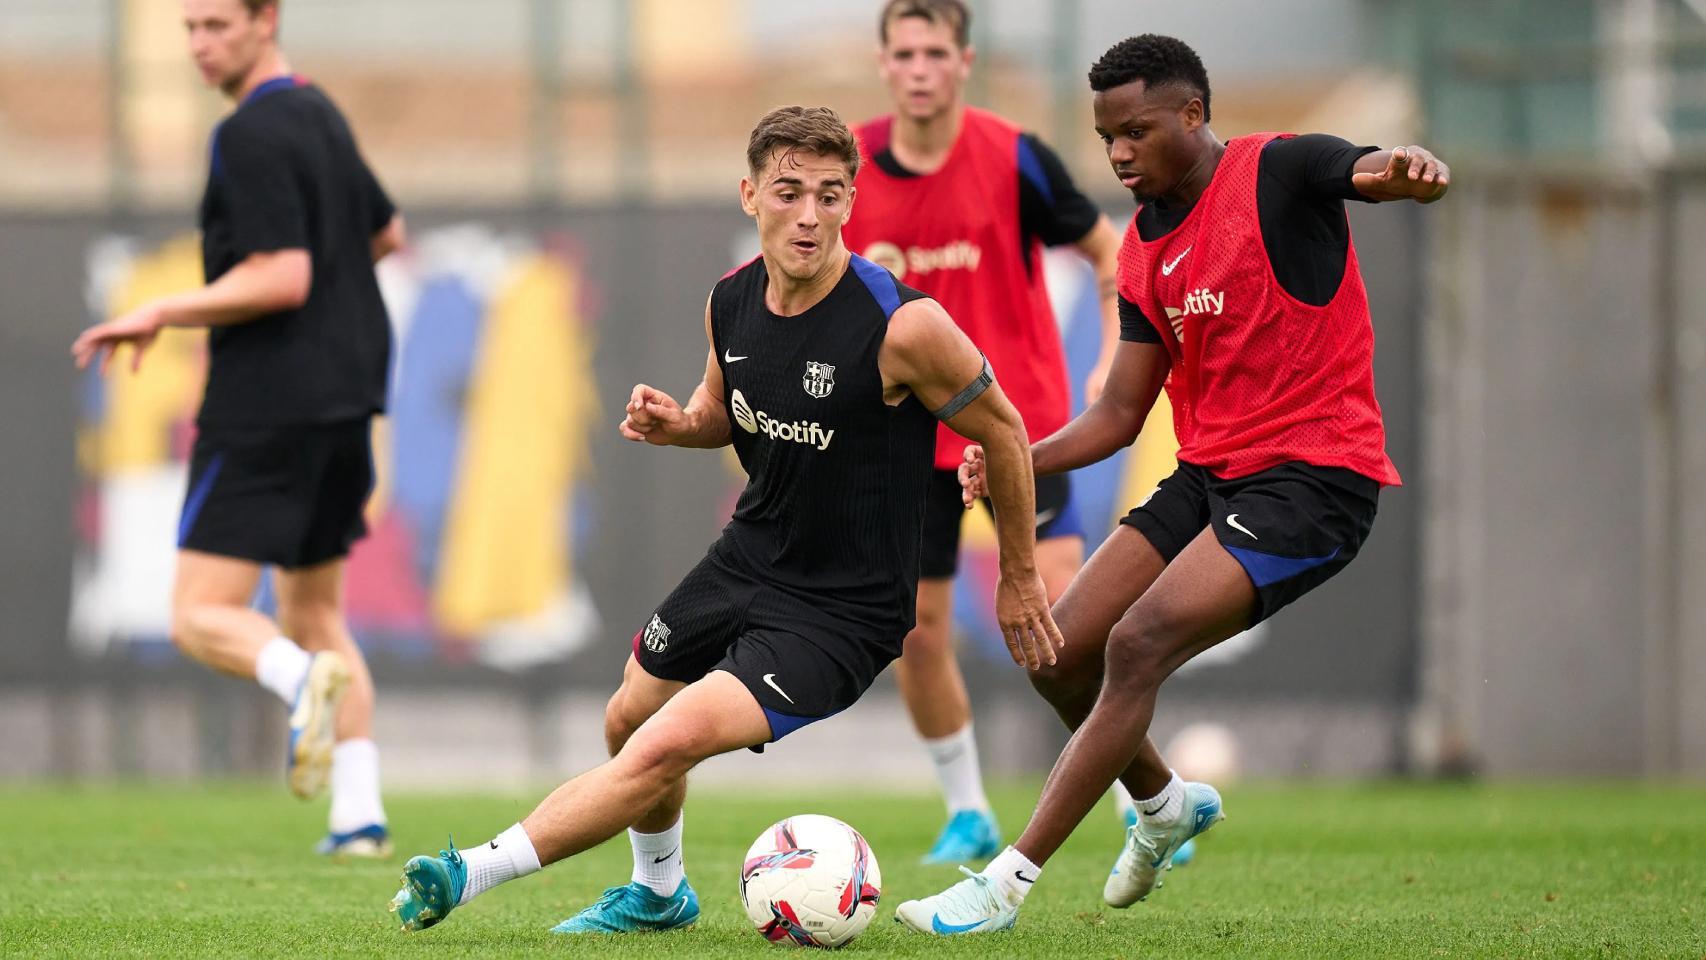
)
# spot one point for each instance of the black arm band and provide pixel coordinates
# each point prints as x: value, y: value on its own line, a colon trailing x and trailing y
x: 972, y: 391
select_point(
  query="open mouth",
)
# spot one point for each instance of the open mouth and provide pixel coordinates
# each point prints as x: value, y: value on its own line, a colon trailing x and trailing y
x: 1128, y: 179
x: 806, y: 247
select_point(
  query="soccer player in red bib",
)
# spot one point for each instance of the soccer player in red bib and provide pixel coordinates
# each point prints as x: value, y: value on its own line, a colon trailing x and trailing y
x: 959, y: 203
x: 1240, y: 293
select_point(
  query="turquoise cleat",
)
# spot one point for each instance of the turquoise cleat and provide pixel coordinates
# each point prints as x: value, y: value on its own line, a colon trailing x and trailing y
x: 1186, y: 853
x: 1150, y: 849
x: 970, y: 835
x: 372, y: 842
x: 432, y: 886
x: 973, y: 905
x: 635, y: 908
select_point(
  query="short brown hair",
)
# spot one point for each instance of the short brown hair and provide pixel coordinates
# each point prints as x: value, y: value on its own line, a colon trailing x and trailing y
x: 256, y: 6
x: 954, y: 13
x: 814, y: 129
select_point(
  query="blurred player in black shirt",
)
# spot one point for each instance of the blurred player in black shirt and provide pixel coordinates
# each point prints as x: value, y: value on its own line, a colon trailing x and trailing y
x: 299, y: 345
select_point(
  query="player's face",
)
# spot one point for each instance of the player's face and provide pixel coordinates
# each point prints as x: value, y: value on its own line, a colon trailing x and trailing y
x: 1149, y: 136
x: 800, y: 200
x: 226, y: 40
x: 924, y: 67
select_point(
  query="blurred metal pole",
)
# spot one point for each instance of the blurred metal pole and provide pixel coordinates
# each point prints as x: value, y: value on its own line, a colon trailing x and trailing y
x: 121, y: 179
x: 1071, y: 92
x: 977, y: 88
x: 633, y: 161
x: 545, y: 103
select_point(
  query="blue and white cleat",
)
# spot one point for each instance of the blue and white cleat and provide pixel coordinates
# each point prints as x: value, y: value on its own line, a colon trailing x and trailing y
x: 970, y: 835
x: 1186, y: 853
x: 432, y: 886
x: 973, y: 905
x: 1150, y: 850
x: 371, y: 842
x: 635, y: 908
x: 308, y: 763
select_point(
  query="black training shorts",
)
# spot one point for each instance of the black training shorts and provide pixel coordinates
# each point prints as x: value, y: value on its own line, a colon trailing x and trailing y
x: 1291, y: 527
x: 939, y: 556
x: 801, y: 662
x: 291, y: 496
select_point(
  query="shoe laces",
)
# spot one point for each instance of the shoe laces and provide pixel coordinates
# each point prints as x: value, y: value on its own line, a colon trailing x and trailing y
x: 452, y: 856
x: 974, y: 896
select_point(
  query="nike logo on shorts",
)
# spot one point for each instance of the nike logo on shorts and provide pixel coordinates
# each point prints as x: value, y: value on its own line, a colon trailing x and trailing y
x: 770, y: 681
x: 1232, y: 521
x: 731, y: 358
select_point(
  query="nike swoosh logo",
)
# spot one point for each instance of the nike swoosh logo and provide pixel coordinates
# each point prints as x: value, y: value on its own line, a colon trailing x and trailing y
x: 1232, y: 521
x: 494, y: 844
x: 1044, y: 516
x: 1167, y: 268
x: 666, y: 857
x: 770, y: 680
x: 937, y: 925
x: 730, y: 358
x: 1020, y: 876
x: 676, y: 913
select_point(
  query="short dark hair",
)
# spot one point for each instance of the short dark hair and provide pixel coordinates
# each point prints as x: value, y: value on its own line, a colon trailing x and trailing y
x: 815, y: 129
x: 1154, y: 59
x: 951, y: 12
x: 256, y: 6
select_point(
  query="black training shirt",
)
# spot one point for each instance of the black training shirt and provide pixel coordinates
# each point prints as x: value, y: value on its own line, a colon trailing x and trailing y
x: 1302, y: 184
x: 285, y: 174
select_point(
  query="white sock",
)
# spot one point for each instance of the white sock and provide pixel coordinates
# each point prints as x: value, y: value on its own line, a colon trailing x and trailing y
x: 1014, y: 874
x: 955, y: 757
x: 1123, y: 802
x: 355, y: 786
x: 657, y: 859
x: 281, y: 668
x: 509, y: 855
x: 1165, y: 806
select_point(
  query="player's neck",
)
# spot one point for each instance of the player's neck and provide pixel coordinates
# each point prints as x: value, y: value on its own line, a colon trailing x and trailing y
x: 271, y: 64
x: 1201, y: 174
x: 786, y: 296
x: 922, y: 146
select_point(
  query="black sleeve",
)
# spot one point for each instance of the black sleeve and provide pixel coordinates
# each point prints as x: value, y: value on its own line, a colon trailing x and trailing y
x: 1315, y: 164
x: 263, y: 199
x: 380, y: 209
x: 1134, y: 326
x: 1051, y: 208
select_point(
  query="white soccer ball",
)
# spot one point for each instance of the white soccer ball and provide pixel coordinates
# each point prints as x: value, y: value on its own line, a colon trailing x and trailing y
x: 810, y: 881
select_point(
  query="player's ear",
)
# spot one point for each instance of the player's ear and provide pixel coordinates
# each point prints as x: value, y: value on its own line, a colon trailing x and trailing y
x: 968, y: 58
x: 749, y: 197
x: 1192, y: 113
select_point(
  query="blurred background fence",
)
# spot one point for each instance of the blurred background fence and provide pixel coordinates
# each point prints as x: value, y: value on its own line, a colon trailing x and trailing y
x: 1533, y: 601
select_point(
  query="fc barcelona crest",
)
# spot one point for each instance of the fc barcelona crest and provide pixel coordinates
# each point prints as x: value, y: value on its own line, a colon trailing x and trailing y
x: 820, y: 379
x: 657, y: 635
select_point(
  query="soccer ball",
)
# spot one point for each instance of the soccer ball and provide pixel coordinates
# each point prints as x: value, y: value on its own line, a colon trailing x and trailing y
x: 810, y: 881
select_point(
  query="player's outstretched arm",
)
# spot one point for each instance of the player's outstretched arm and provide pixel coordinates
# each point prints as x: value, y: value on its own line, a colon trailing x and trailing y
x: 263, y: 284
x: 654, y: 417
x: 1402, y: 173
x: 927, y: 354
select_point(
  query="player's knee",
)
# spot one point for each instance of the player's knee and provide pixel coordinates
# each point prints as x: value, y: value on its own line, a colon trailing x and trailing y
x: 620, y: 720
x: 666, y: 751
x: 315, y: 625
x: 1064, y: 682
x: 1139, y: 649
x: 929, y: 640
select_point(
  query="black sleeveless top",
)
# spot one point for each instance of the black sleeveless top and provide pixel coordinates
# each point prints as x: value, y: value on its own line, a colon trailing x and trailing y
x: 834, y: 501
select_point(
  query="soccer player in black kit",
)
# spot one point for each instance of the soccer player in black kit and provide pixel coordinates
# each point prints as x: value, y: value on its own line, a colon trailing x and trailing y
x: 828, y: 376
x: 298, y: 348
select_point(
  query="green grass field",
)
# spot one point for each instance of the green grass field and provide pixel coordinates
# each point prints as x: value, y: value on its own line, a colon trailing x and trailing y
x: 1390, y: 870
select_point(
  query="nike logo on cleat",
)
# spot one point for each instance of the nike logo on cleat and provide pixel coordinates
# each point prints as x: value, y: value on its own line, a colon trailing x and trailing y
x: 937, y: 925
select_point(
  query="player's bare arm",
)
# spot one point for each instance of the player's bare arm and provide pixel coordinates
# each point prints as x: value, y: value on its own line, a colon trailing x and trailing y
x: 1402, y: 173
x: 263, y: 284
x: 1101, y: 246
x: 655, y: 417
x: 1109, y: 425
x: 390, y: 239
x: 926, y: 354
